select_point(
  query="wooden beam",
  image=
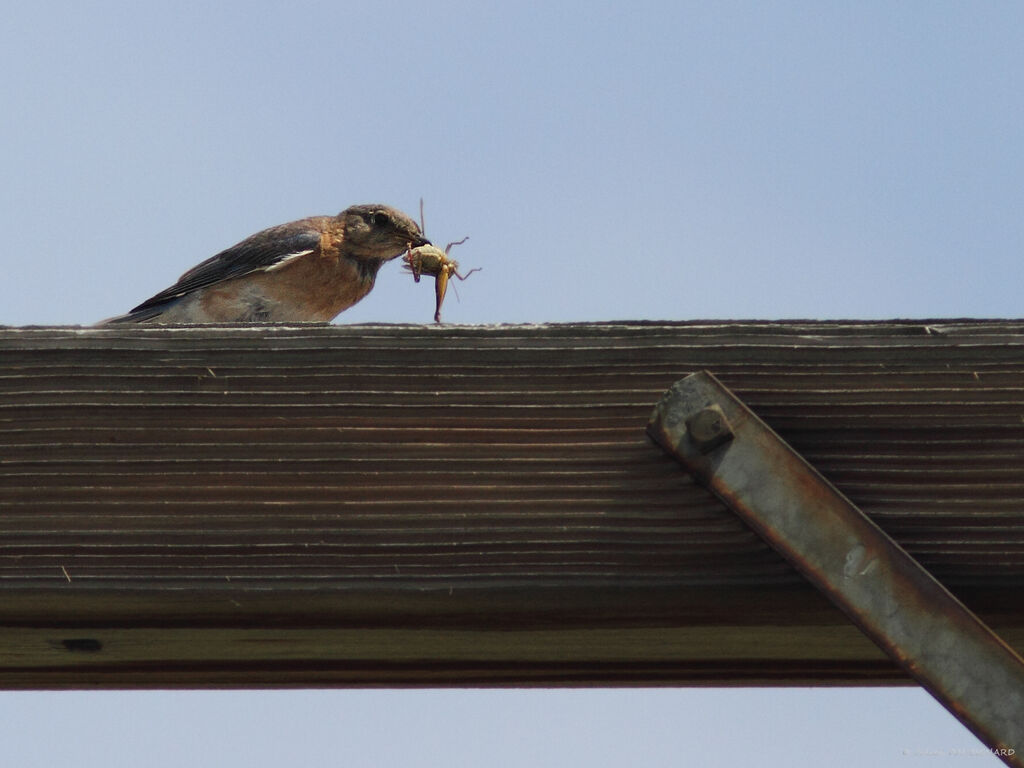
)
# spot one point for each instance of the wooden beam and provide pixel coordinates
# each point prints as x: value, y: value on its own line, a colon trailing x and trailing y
x: 407, y: 505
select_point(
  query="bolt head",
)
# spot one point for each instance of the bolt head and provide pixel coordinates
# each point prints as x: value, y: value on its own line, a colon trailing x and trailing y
x: 708, y: 428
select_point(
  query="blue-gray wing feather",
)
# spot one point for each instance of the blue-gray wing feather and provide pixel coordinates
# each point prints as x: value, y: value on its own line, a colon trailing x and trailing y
x: 256, y: 253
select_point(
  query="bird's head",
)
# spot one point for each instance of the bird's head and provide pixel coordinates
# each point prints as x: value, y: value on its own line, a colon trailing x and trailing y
x: 378, y: 232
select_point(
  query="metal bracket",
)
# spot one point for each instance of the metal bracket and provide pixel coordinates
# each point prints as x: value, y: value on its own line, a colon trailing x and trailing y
x: 887, y: 593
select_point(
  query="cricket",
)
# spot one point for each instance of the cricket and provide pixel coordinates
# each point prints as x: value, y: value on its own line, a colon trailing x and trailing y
x: 431, y: 260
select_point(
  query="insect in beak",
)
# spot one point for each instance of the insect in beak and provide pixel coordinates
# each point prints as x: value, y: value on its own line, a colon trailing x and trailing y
x: 429, y: 259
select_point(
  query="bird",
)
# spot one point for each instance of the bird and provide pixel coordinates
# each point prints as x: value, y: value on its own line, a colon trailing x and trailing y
x: 304, y: 271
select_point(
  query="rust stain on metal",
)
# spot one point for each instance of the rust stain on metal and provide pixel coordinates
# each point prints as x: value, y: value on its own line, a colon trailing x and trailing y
x: 894, y: 600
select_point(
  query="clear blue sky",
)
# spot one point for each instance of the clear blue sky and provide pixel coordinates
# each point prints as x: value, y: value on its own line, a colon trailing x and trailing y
x: 608, y: 161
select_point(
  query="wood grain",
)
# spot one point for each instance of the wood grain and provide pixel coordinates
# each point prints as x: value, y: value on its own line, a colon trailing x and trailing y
x: 474, y: 505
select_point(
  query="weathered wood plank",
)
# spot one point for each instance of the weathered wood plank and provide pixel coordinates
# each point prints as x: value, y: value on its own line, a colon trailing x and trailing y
x: 459, y: 505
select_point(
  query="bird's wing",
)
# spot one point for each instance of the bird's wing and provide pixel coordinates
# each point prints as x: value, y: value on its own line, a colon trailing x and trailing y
x: 266, y: 250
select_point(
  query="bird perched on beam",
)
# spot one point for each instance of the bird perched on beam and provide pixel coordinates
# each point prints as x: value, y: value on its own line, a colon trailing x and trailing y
x: 305, y: 271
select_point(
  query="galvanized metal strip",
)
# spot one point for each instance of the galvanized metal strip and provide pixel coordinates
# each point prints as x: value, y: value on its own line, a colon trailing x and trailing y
x: 895, y: 601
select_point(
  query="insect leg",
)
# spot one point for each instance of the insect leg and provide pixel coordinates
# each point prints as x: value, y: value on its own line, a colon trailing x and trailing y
x: 448, y: 247
x: 440, y: 288
x: 463, y: 277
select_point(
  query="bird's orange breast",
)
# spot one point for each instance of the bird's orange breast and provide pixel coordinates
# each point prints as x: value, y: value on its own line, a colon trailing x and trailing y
x: 310, y: 288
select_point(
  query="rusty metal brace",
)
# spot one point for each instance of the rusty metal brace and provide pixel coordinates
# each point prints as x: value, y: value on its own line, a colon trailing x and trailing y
x: 887, y: 593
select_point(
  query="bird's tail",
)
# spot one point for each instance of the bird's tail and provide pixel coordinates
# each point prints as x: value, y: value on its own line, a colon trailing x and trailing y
x: 135, y: 316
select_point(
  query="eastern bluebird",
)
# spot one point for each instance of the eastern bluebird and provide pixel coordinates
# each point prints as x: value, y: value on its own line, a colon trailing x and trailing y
x: 305, y: 271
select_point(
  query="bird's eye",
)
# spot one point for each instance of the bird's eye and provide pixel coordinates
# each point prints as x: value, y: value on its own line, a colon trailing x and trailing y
x: 381, y: 219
